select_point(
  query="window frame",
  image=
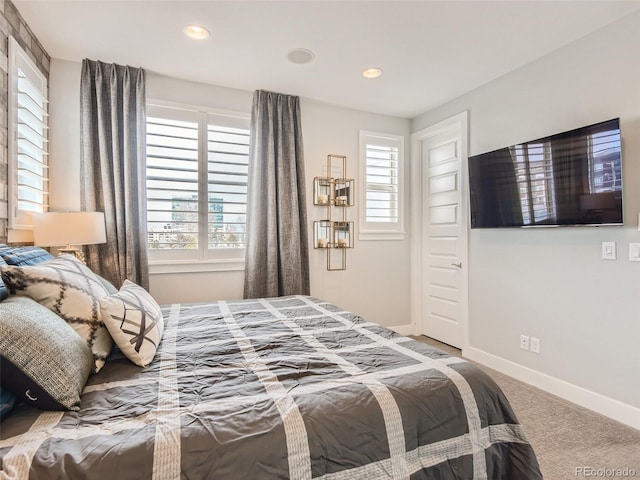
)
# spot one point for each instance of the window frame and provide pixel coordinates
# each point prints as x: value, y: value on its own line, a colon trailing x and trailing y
x: 380, y: 230
x: 18, y: 59
x: 202, y: 259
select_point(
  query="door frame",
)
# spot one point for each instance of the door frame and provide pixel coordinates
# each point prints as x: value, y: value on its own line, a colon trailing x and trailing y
x: 459, y: 121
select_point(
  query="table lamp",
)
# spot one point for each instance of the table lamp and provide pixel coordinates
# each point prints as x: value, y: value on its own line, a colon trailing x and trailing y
x: 68, y: 229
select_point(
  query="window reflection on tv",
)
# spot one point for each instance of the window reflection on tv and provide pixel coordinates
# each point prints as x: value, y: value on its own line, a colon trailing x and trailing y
x: 572, y: 178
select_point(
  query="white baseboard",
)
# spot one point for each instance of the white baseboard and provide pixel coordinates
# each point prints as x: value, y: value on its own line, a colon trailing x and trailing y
x: 622, y: 412
x: 404, y: 329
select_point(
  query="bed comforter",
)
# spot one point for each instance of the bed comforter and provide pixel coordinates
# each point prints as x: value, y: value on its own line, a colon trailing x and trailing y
x: 277, y: 388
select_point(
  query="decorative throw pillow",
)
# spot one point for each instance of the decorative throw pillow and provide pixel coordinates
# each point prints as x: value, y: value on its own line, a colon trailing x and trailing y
x: 135, y: 322
x: 42, y: 359
x: 21, y: 256
x: 68, y: 288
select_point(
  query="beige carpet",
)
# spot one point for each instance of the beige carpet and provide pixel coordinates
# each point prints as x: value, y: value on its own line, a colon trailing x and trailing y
x: 565, y: 436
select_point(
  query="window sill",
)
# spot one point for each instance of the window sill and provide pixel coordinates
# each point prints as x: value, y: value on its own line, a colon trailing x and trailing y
x: 381, y: 235
x: 163, y: 267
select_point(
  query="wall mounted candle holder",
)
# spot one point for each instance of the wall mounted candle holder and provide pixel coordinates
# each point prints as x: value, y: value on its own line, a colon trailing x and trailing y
x: 335, y: 193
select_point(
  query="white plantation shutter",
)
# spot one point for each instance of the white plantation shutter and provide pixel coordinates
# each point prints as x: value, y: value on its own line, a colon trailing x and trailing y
x: 172, y: 183
x: 382, y: 188
x: 197, y: 165
x: 382, y: 183
x: 227, y: 169
x: 28, y: 143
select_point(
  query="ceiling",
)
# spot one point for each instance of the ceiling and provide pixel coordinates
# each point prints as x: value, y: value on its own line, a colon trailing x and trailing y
x: 430, y: 51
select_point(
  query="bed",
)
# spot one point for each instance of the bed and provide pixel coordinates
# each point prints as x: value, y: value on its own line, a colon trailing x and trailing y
x: 291, y: 387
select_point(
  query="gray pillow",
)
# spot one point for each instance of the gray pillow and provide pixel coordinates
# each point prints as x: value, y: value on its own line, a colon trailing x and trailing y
x: 43, y: 360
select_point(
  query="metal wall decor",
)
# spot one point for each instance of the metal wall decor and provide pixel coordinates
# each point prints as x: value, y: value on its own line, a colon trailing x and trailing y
x: 336, y: 193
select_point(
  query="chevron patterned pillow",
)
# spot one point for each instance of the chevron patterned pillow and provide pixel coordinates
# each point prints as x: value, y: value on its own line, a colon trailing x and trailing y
x: 135, y: 322
x: 67, y: 287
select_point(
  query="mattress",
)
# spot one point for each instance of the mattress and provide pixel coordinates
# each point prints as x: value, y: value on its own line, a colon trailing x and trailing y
x: 280, y: 388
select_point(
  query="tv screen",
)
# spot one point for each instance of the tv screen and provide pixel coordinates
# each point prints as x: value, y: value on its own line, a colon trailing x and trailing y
x: 572, y: 178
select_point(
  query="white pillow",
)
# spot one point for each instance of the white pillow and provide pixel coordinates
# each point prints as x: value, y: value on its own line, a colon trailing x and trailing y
x: 68, y: 288
x: 135, y: 322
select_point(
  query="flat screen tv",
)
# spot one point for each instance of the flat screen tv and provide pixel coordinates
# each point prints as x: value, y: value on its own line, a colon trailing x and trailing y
x: 572, y: 178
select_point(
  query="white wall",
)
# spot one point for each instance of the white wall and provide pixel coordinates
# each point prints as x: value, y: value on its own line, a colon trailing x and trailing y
x: 551, y: 283
x: 376, y: 282
x: 64, y: 135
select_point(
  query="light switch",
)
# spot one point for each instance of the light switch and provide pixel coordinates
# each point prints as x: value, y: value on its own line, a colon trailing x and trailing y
x: 608, y: 250
x: 634, y: 252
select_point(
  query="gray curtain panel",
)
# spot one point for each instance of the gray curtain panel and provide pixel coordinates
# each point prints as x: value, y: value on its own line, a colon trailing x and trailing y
x: 277, y: 259
x: 112, y: 125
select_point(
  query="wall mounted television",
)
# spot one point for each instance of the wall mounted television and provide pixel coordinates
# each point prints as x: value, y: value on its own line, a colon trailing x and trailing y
x: 568, y: 179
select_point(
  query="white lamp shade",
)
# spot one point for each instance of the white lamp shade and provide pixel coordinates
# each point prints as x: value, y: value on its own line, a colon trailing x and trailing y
x: 53, y: 229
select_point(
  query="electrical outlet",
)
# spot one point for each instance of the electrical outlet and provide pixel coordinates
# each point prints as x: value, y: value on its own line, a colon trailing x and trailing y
x: 535, y: 345
x: 524, y: 342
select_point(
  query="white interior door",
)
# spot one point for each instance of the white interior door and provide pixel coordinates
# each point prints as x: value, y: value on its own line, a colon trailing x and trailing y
x: 443, y: 244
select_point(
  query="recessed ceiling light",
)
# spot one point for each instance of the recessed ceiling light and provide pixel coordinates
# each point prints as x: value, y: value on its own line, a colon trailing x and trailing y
x: 372, y: 73
x: 196, y: 31
x: 300, y: 56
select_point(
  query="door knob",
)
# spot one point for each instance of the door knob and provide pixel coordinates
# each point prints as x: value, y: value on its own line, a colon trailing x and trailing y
x: 459, y: 265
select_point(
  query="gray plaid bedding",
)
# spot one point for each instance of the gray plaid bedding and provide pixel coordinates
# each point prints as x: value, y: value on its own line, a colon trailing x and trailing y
x: 276, y: 388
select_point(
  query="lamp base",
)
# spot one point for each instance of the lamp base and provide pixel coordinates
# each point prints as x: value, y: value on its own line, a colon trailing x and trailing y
x: 75, y: 251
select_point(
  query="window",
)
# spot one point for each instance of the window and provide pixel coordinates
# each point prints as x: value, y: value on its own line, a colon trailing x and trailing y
x: 381, y: 198
x: 28, y: 138
x: 197, y: 165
